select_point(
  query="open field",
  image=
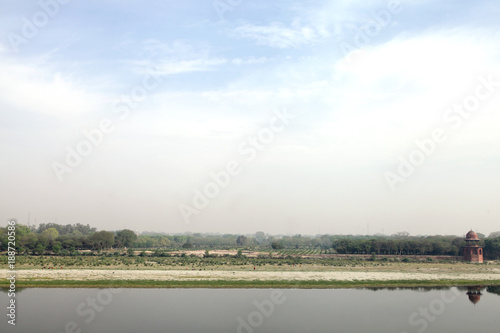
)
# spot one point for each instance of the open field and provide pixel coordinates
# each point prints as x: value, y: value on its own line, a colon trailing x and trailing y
x: 202, y: 272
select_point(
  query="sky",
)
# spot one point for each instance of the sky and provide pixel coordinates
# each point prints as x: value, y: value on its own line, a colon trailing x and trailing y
x: 237, y: 116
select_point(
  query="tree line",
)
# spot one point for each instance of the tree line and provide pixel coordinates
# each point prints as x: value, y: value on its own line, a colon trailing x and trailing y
x: 64, y: 239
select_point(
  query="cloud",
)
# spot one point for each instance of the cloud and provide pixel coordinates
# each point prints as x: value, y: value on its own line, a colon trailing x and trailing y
x: 278, y: 35
x: 175, y: 58
x: 29, y: 88
x: 249, y: 60
x: 169, y: 67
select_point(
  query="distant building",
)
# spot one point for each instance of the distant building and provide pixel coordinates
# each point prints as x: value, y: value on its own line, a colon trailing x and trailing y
x: 472, y: 251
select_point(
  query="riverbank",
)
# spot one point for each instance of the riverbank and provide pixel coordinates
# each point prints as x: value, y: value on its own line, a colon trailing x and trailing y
x: 74, y: 278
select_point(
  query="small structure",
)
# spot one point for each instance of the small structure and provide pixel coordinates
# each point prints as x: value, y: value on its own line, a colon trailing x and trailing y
x: 472, y: 251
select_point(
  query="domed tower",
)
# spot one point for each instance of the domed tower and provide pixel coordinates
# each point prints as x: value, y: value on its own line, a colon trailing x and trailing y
x: 472, y: 251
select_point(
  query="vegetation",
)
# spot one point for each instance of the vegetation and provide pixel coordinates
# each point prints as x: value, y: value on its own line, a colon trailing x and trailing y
x: 64, y: 240
x: 282, y: 284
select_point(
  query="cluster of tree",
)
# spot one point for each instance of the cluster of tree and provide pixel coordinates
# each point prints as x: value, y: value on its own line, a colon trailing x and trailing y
x: 492, y: 248
x: 397, y: 244
x: 432, y: 245
x: 65, y: 238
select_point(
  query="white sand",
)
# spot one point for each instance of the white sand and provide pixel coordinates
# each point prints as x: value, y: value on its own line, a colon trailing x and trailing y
x: 183, y: 275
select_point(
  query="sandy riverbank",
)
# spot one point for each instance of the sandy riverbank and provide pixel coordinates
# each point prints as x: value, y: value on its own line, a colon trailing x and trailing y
x: 191, y: 275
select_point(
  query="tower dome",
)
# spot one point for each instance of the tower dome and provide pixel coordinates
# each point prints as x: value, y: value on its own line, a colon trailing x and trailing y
x: 471, y: 235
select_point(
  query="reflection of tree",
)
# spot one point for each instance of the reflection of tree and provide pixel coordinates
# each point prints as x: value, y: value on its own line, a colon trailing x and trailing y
x: 494, y: 290
x: 491, y: 289
x: 6, y: 290
x: 420, y: 289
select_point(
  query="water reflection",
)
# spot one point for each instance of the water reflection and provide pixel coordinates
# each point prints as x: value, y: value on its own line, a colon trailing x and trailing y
x: 433, y: 309
x: 493, y: 289
x: 472, y: 292
x: 6, y: 290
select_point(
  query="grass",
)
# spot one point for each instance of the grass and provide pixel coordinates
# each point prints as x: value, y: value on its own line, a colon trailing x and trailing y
x: 243, y: 264
x: 229, y: 263
x: 282, y: 284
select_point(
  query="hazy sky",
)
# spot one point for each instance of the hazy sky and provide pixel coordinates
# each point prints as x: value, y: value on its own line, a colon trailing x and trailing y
x: 236, y: 116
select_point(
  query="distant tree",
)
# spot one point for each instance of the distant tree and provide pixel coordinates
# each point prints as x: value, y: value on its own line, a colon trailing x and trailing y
x: 3, y: 239
x: 56, y: 248
x: 241, y: 241
x: 40, y: 249
x: 187, y: 245
x: 102, y: 240
x: 29, y: 241
x: 260, y: 236
x: 492, y: 248
x: 125, y: 238
x: 276, y: 245
x: 494, y: 234
x: 22, y: 230
x: 50, y: 234
x: 164, y: 242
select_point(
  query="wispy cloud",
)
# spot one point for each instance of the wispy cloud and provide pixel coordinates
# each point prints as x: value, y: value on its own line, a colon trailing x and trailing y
x: 175, y: 58
x: 278, y: 35
x: 186, y: 66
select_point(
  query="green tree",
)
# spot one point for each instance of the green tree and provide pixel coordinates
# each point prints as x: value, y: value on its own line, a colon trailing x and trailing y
x: 125, y: 238
x: 276, y: 245
x: 40, y: 249
x: 241, y: 241
x: 50, y: 234
x: 260, y: 236
x: 102, y: 240
x: 56, y: 248
x: 492, y: 248
x: 29, y: 241
x: 164, y: 242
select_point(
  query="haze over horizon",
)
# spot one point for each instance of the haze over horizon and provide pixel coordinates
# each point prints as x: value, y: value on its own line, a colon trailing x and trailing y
x: 223, y: 116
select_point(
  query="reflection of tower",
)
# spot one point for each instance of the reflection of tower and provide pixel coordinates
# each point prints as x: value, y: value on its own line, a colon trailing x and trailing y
x: 474, y: 294
x: 472, y: 251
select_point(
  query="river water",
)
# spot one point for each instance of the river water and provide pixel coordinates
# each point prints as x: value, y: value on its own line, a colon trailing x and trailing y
x: 473, y: 309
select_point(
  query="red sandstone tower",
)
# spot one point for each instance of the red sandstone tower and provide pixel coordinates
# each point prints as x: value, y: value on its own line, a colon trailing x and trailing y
x: 472, y: 251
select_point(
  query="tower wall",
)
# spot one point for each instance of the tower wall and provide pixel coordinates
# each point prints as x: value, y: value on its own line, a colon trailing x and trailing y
x: 473, y: 254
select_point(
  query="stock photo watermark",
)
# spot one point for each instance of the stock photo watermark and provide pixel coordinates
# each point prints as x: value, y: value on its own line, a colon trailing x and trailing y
x: 364, y: 34
x: 249, y: 150
x: 263, y: 310
x: 31, y: 27
x: 11, y: 262
x: 94, y: 137
x: 453, y: 117
x: 422, y: 318
x: 88, y: 310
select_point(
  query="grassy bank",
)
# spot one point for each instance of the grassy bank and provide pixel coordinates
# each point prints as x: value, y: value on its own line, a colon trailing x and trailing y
x: 283, y: 284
